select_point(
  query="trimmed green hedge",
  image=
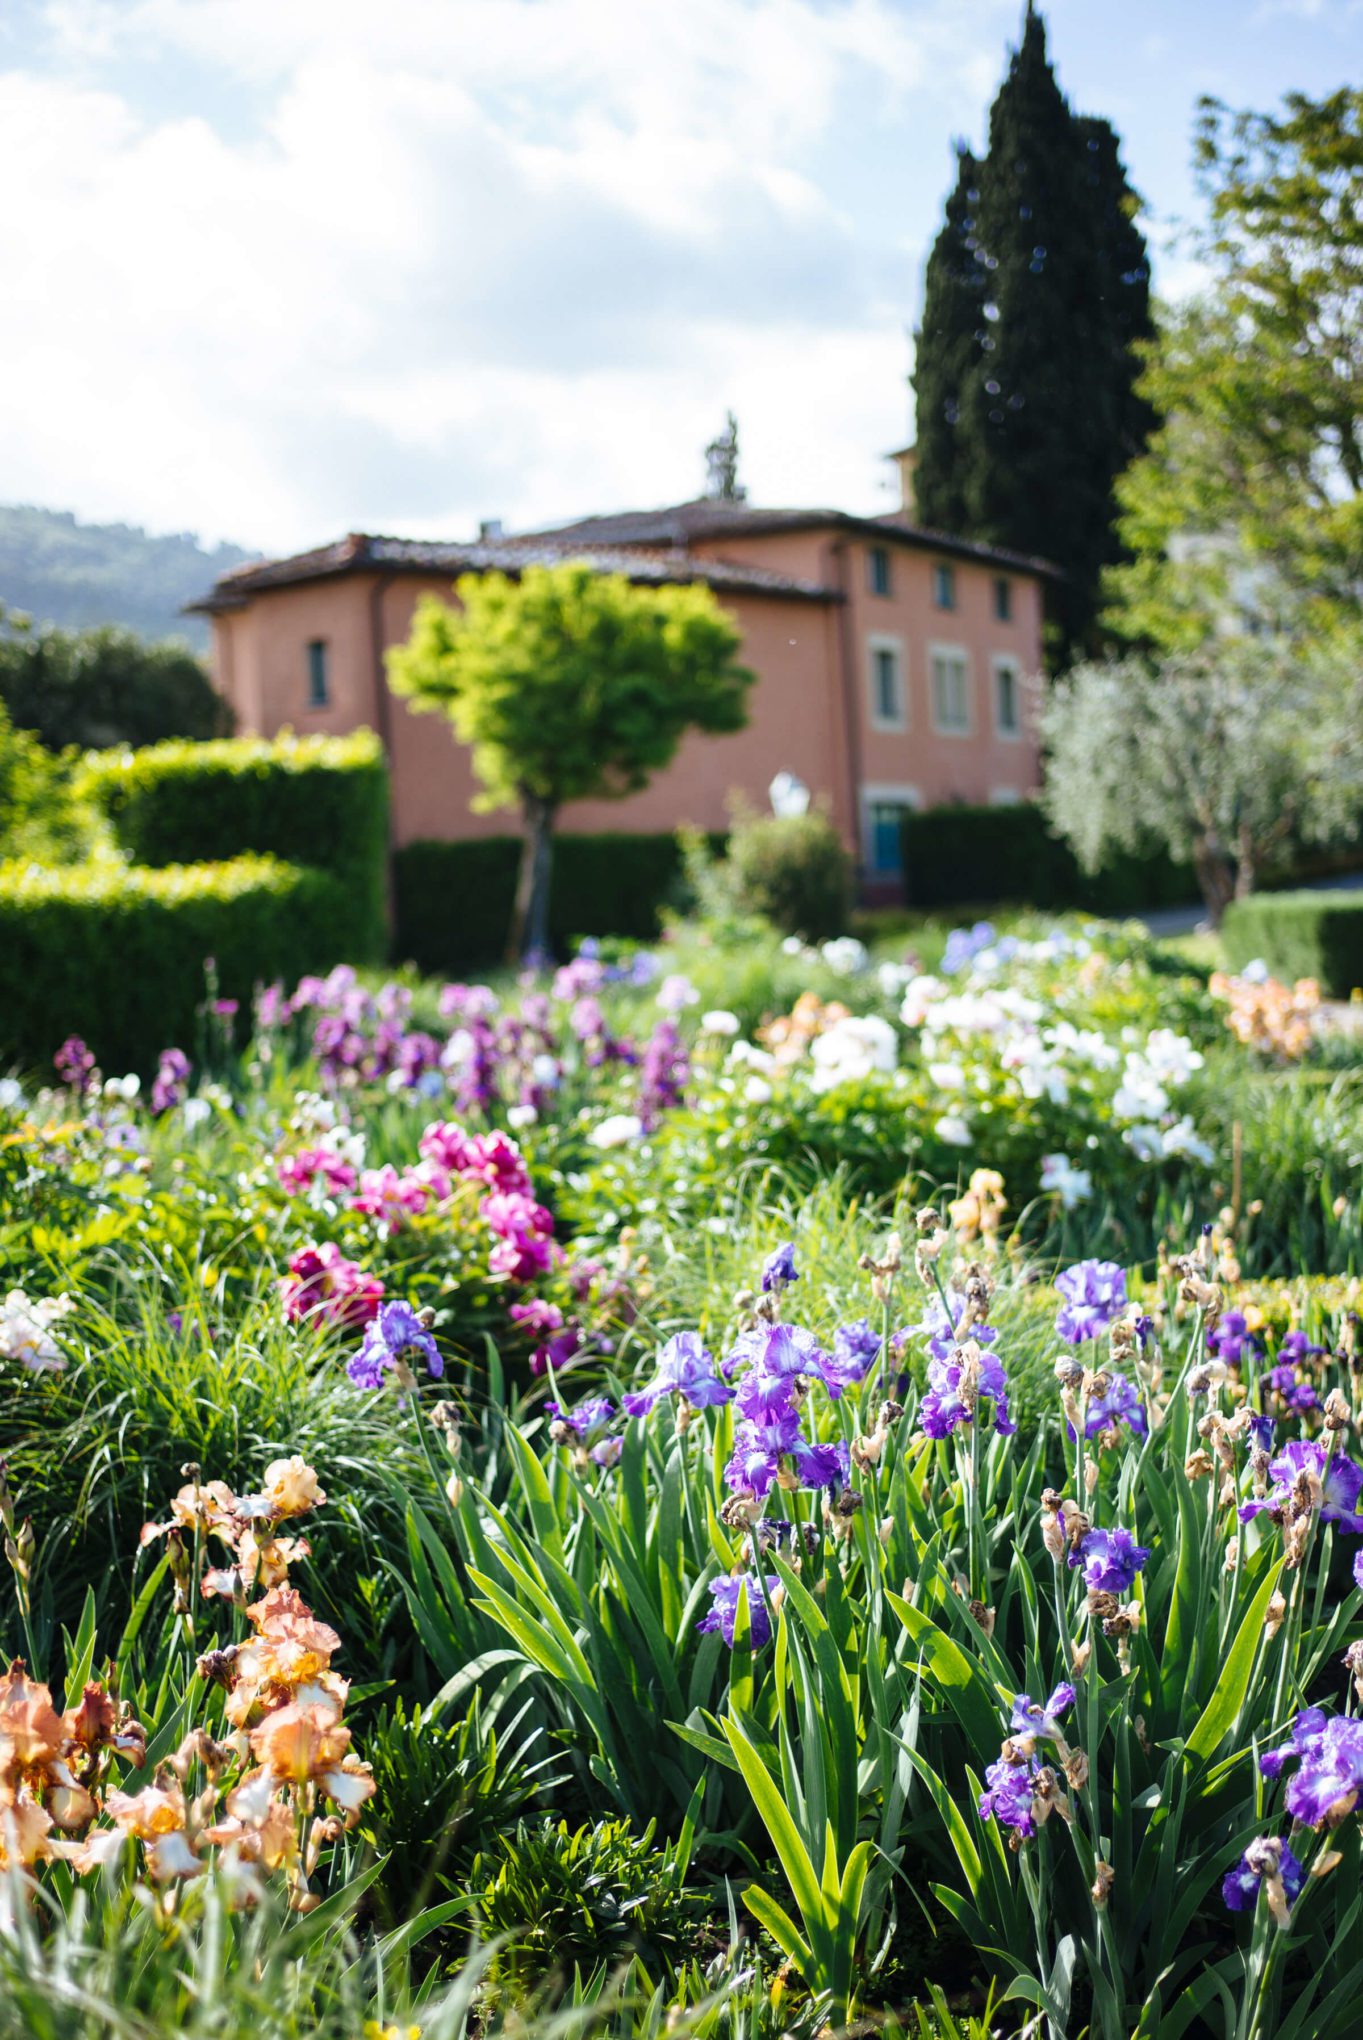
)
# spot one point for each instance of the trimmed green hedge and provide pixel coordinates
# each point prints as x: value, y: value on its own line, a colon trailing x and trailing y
x: 962, y: 855
x: 1300, y: 934
x: 319, y: 801
x: 117, y: 955
x: 452, y: 901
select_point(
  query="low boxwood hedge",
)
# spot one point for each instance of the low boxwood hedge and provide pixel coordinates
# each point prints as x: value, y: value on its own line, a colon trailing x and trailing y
x: 452, y: 901
x: 1300, y: 935
x: 116, y: 953
x: 959, y: 855
x: 319, y: 801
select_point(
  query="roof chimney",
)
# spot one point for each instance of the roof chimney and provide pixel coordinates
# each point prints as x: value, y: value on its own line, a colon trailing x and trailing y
x: 489, y: 529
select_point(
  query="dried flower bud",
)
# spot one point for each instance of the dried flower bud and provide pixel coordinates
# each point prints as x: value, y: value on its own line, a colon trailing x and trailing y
x: 1338, y: 1415
x: 1104, y: 1878
x: 1275, y: 1615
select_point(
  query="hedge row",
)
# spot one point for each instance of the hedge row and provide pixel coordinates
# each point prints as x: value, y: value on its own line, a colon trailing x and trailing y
x: 319, y: 801
x: 452, y: 901
x: 117, y: 955
x: 1300, y: 935
x: 962, y: 855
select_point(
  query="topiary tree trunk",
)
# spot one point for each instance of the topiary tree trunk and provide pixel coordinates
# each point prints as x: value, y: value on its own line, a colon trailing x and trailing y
x: 530, y: 913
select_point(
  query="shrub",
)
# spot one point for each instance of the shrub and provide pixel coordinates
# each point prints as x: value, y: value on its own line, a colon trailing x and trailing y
x: 452, y: 901
x: 309, y: 800
x: 794, y: 871
x: 38, y: 818
x: 105, y: 686
x: 117, y: 955
x: 1300, y: 934
x: 984, y: 855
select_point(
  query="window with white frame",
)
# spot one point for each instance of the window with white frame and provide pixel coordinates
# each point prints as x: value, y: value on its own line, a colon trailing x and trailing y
x: 950, y: 690
x: 944, y: 585
x: 1007, y: 698
x: 883, y: 809
x: 1003, y: 598
x: 885, y: 666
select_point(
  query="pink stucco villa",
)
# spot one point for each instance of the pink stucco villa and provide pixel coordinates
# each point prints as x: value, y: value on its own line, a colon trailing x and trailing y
x: 894, y: 664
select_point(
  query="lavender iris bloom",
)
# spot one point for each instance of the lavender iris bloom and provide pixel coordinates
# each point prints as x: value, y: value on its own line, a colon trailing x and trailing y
x: 1298, y: 1395
x: 1111, y: 1559
x: 943, y: 1409
x: 1030, y: 1718
x: 685, y: 1369
x: 1008, y: 1797
x: 724, y: 1614
x: 1230, y: 1338
x: 1329, y: 1777
x: 855, y: 1350
x: 938, y: 1326
x: 1341, y: 1481
x: 1120, y: 1405
x: 780, y: 1270
x: 1094, y: 1293
x: 393, y: 1331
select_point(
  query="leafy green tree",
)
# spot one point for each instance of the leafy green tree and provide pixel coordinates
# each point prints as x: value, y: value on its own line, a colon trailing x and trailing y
x: 1037, y: 296
x: 94, y: 688
x: 569, y: 685
x: 1250, y: 496
x: 1219, y: 755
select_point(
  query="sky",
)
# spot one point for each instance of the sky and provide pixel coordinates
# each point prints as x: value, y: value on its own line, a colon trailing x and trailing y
x: 275, y: 270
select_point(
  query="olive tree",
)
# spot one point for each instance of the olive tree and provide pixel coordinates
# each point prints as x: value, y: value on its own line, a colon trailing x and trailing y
x: 1219, y: 754
x: 569, y: 684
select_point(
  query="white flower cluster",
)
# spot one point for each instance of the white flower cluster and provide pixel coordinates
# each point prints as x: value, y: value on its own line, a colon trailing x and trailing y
x: 26, y: 1330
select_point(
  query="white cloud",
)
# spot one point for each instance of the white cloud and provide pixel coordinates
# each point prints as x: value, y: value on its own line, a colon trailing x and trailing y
x: 288, y: 267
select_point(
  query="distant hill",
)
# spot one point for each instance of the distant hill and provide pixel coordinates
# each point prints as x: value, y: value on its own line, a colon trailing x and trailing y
x: 60, y: 571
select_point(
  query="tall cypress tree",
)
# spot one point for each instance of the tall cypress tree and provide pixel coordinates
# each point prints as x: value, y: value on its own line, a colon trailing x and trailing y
x: 1043, y: 413
x: 954, y: 297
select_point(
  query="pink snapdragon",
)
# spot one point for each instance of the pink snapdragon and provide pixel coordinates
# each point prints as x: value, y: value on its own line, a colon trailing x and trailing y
x: 323, y: 1285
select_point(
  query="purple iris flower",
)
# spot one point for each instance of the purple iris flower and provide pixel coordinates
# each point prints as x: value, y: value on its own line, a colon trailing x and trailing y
x: 823, y: 1465
x: 1341, y: 1481
x: 1358, y: 1571
x: 1261, y: 1430
x: 1298, y: 1395
x: 759, y: 1448
x: 1030, y: 1718
x: 1230, y: 1338
x: 1111, y: 1559
x: 943, y: 1410
x: 1094, y: 1293
x: 589, y: 1416
x: 686, y: 1369
x: 938, y: 1326
x: 777, y: 1349
x: 1008, y: 1796
x: 393, y: 1331
x: 588, y: 1424
x: 1329, y: 1777
x: 855, y: 1350
x: 1240, y: 1886
x: 1295, y: 1347
x: 780, y: 1269
x: 724, y: 1614
x: 1120, y: 1405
